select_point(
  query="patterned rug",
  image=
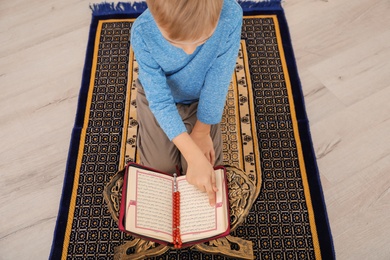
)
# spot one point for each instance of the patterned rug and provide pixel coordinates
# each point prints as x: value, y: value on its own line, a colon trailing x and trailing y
x: 265, y: 133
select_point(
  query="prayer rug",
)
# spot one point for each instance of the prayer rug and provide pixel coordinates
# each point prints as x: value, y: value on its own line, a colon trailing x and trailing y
x: 265, y: 133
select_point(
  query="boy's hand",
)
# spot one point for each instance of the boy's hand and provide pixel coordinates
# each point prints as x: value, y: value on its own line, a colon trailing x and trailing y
x: 205, y: 144
x: 200, y: 173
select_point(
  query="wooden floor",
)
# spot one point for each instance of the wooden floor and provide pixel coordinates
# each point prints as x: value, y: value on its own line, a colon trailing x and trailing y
x: 342, y: 49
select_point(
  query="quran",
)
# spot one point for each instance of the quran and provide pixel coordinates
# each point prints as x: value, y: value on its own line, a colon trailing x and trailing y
x: 148, y: 210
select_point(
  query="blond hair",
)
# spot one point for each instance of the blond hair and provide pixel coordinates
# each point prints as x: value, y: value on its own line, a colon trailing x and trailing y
x: 186, y: 20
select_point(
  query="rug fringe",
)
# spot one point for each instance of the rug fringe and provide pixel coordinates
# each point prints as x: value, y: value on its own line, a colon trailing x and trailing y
x: 106, y: 8
x: 253, y: 5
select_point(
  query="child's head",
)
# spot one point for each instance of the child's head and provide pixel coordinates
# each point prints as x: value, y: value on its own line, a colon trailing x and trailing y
x: 186, y: 20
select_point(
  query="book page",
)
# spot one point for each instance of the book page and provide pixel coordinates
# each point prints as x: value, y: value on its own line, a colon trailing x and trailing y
x: 196, y: 214
x: 149, y: 204
x: 198, y: 219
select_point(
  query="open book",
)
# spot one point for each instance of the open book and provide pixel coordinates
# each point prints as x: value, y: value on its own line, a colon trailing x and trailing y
x: 146, y: 207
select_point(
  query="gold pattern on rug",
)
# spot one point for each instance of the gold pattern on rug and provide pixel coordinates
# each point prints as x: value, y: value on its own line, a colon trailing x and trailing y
x: 261, y: 134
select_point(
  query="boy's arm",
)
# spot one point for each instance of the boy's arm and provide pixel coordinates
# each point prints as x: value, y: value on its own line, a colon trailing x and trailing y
x: 156, y: 89
x: 213, y: 95
x: 201, y: 136
x: 200, y: 172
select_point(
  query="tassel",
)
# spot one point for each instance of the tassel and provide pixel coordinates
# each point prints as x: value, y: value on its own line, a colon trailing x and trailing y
x: 118, y: 8
x: 137, y: 8
x: 253, y: 5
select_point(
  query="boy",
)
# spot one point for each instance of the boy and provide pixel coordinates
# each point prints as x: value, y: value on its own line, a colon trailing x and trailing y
x: 186, y: 51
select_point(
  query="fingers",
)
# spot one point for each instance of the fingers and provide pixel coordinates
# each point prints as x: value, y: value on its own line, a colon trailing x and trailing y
x: 211, y: 195
x: 202, y: 188
x: 211, y: 189
x: 210, y: 156
x: 201, y: 174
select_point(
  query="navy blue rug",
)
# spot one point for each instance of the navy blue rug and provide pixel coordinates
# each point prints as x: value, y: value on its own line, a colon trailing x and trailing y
x: 288, y: 220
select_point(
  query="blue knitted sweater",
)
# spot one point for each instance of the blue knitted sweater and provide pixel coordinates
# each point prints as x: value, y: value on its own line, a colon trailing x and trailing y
x: 170, y: 76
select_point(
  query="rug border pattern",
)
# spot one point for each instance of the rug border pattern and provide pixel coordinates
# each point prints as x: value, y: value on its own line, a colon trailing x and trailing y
x: 300, y: 124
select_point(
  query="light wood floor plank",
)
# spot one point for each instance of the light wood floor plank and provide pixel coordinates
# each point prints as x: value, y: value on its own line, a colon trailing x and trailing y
x: 352, y: 75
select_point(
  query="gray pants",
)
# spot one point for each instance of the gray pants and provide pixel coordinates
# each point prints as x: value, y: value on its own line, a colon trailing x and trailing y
x: 154, y: 147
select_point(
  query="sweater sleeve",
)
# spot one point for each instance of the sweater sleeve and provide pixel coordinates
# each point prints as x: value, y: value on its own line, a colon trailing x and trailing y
x: 213, y: 96
x: 157, y: 91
